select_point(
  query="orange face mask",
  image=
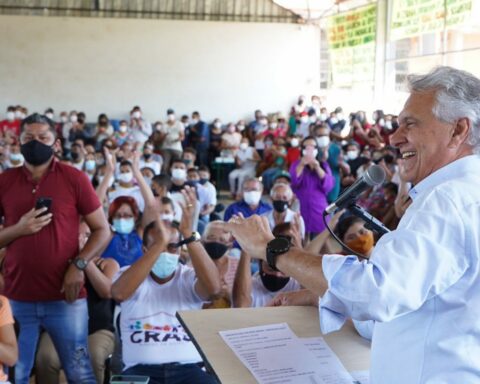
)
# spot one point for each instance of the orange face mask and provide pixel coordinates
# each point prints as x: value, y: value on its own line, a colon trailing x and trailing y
x: 362, y: 244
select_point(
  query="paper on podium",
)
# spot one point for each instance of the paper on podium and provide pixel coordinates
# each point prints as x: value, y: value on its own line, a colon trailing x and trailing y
x: 274, y: 354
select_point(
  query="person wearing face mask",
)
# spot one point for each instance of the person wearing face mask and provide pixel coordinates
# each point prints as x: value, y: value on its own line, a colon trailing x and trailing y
x: 282, y: 197
x: 123, y: 134
x: 10, y: 124
x: 126, y: 187
x: 78, y: 156
x: 15, y: 157
x: 204, y: 202
x: 293, y: 151
x: 199, y: 138
x: 189, y: 157
x: 125, y: 245
x: 161, y: 185
x: 103, y: 130
x: 172, y: 133
x: 246, y: 161
x: 216, y: 133
x: 204, y: 173
x: 43, y: 265
x: 250, y: 204
x: 140, y: 128
x: 218, y: 243
x: 150, y: 159
x: 312, y: 179
x: 152, y: 290
x: 178, y: 172
x: 90, y: 166
x: 303, y: 125
x: 259, y: 290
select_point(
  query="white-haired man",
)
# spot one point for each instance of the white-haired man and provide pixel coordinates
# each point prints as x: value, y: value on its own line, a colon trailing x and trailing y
x: 422, y: 282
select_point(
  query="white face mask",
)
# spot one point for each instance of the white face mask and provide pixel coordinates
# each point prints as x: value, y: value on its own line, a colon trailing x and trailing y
x: 323, y: 141
x: 171, y: 117
x: 304, y: 119
x: 333, y: 120
x: 136, y: 114
x: 252, y: 197
x: 218, y: 125
x: 388, y: 125
x: 179, y: 174
x: 10, y: 116
x: 381, y: 122
x: 125, y: 177
x: 63, y: 119
x: 273, y: 125
x: 243, y: 146
x: 158, y: 127
x: 194, y: 121
x: 352, y: 155
x: 100, y: 179
x: 314, y: 152
x: 49, y: 115
x: 323, y: 116
x: 167, y: 217
x: 294, y: 142
x: 340, y: 116
x: 264, y: 122
x: 313, y: 119
x: 73, y: 118
x: 19, y: 114
x: 123, y: 128
x: 240, y: 128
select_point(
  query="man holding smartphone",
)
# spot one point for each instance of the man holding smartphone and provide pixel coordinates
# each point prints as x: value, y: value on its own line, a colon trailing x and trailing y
x: 44, y: 270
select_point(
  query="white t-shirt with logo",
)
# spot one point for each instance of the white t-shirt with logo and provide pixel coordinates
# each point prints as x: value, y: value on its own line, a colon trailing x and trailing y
x: 151, y: 334
x: 261, y: 296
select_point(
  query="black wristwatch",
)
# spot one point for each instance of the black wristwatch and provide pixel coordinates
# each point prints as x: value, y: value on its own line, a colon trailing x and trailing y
x: 275, y: 248
x: 195, y: 237
x: 80, y: 263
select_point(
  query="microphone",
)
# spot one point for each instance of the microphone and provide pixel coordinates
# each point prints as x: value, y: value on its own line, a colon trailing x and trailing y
x: 373, y: 176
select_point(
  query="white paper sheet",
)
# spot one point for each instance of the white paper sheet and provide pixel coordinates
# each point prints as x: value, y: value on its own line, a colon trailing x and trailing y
x: 274, y: 355
x: 361, y: 377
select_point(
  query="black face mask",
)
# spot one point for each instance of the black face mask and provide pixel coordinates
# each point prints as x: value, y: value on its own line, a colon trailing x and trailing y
x: 273, y: 283
x: 203, y: 181
x: 215, y: 250
x: 36, y: 153
x: 280, y: 206
x: 147, y: 156
x: 74, y: 155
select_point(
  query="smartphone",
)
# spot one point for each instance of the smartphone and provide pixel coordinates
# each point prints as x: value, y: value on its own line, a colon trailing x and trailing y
x: 120, y: 379
x: 44, y: 202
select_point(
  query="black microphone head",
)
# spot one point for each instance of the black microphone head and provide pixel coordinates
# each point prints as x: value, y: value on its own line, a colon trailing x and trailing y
x: 374, y: 175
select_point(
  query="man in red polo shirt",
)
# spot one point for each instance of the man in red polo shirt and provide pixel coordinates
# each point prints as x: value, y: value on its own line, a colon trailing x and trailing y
x: 44, y: 270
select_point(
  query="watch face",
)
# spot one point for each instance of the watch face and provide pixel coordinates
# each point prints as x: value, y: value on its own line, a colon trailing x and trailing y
x: 80, y: 264
x: 279, y: 244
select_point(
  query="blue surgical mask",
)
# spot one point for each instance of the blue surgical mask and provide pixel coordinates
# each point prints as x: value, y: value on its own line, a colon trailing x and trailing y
x: 165, y: 265
x: 123, y: 226
x: 90, y: 165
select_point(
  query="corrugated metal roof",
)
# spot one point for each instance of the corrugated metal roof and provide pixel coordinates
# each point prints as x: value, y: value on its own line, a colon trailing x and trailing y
x: 215, y: 10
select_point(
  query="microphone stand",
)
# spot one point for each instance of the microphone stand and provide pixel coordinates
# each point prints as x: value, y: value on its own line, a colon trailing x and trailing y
x: 370, y: 221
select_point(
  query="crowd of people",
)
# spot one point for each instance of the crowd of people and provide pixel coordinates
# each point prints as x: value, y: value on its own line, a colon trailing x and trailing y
x: 133, y: 227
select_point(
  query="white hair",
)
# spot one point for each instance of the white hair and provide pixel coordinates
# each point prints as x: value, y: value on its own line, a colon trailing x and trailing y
x: 278, y: 185
x: 457, y: 95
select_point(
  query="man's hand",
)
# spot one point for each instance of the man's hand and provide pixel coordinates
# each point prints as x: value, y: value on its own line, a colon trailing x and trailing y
x: 188, y: 210
x: 303, y: 297
x: 72, y: 283
x: 253, y: 234
x: 31, y: 223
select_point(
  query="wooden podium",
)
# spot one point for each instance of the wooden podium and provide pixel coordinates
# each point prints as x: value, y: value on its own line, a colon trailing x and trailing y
x: 203, y: 327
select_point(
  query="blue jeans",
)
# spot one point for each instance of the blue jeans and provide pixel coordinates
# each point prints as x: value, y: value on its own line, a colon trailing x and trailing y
x: 172, y: 373
x: 67, y: 325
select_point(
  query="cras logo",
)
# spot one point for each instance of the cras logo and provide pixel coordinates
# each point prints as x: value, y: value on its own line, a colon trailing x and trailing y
x: 147, y: 332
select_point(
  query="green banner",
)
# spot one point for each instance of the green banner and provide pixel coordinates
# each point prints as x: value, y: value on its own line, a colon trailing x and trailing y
x: 351, y: 38
x: 415, y: 17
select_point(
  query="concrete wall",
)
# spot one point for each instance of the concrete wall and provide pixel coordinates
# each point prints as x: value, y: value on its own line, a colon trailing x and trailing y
x: 109, y: 65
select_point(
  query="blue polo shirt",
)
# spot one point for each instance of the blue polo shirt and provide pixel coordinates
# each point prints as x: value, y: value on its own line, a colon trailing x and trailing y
x: 243, y: 207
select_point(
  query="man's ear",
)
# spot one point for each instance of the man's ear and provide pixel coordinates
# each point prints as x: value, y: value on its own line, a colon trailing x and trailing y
x: 460, y: 132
